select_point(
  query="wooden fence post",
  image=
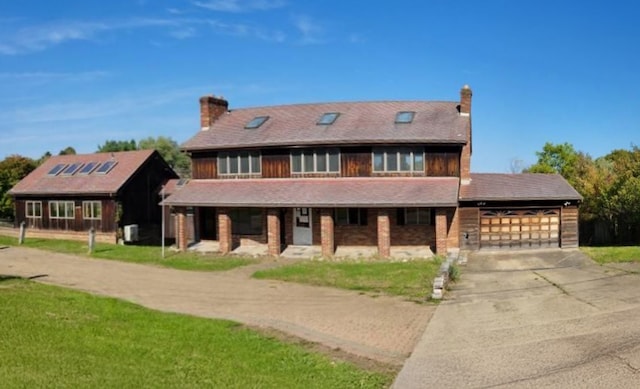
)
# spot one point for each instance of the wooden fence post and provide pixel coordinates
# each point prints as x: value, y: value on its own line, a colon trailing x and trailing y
x: 23, y: 228
x: 92, y: 239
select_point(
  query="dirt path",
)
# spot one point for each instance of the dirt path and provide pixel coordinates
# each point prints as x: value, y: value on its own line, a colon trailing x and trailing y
x: 384, y: 329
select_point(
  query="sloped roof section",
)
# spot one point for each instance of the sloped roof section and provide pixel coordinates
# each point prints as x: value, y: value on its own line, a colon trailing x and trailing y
x: 319, y: 192
x: 39, y: 182
x: 503, y: 187
x: 358, y: 122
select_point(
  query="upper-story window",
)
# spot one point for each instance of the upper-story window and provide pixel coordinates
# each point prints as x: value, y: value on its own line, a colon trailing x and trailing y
x: 398, y: 159
x: 315, y: 161
x: 243, y: 162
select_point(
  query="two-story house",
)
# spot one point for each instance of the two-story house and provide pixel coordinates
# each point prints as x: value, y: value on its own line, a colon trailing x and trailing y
x: 385, y: 174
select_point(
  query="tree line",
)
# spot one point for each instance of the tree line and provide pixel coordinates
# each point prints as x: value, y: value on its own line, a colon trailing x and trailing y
x: 15, y: 167
x: 610, y: 186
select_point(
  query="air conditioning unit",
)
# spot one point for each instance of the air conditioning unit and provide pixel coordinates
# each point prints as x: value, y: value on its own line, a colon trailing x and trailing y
x: 131, y: 233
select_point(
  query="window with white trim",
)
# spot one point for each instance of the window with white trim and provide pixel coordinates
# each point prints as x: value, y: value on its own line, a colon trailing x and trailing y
x: 398, y: 159
x: 351, y: 216
x: 62, y: 210
x: 414, y: 216
x: 92, y: 210
x: 33, y: 209
x: 315, y: 161
x: 243, y: 162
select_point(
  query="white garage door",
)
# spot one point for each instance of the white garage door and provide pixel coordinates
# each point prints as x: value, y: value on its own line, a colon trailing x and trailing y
x: 519, y: 228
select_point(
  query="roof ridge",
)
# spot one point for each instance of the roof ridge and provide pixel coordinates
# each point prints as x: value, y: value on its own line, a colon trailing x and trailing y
x: 340, y: 103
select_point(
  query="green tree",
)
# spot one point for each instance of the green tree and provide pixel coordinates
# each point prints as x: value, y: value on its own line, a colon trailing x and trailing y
x: 117, y: 145
x: 67, y: 151
x: 170, y: 151
x: 12, y: 169
x: 556, y: 158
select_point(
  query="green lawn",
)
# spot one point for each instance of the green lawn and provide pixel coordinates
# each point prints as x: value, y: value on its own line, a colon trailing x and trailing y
x: 411, y: 279
x: 613, y: 254
x: 53, y: 337
x: 137, y: 254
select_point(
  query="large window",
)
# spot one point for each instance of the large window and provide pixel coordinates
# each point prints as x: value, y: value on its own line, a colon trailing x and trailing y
x: 414, y: 216
x: 244, y: 162
x: 351, y: 216
x: 92, y: 210
x: 315, y: 161
x: 34, y: 209
x: 247, y: 221
x: 62, y: 210
x: 398, y: 159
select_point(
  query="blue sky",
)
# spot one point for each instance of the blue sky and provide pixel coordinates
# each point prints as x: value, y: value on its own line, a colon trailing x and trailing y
x: 76, y: 73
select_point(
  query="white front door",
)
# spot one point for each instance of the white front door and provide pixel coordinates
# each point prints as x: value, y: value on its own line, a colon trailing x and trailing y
x: 302, y: 226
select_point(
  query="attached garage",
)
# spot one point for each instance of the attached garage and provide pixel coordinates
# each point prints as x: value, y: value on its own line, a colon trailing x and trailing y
x: 518, y: 211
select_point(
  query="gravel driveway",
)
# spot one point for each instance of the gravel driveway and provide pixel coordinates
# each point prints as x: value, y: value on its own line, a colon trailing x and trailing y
x: 383, y: 329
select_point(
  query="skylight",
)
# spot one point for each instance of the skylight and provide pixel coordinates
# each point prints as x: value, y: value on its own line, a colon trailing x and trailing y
x: 328, y: 118
x: 106, y: 167
x: 256, y: 122
x: 56, y: 169
x: 405, y: 117
x: 71, y: 169
x: 88, y: 168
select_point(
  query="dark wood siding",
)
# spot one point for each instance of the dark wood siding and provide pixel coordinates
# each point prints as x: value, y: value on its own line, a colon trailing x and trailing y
x: 569, y: 227
x: 469, y: 221
x: 276, y: 164
x: 442, y: 164
x: 355, y: 162
x: 204, y: 167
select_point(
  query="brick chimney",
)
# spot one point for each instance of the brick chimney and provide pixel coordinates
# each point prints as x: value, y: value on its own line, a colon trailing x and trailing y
x: 211, y: 108
x: 465, y: 101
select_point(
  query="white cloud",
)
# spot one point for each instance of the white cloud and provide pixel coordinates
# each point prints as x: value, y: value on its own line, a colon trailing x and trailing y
x: 238, y: 6
x: 311, y: 31
x: 244, y: 30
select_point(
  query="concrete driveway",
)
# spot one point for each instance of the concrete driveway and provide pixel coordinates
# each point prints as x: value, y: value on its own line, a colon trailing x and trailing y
x: 533, y: 319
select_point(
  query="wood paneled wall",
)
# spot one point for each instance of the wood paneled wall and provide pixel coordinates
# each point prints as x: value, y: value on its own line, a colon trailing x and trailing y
x: 442, y: 164
x: 276, y: 164
x: 204, y: 167
x: 355, y: 162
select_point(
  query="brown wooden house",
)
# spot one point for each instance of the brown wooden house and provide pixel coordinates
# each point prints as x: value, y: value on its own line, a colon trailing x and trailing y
x: 385, y: 174
x: 69, y: 194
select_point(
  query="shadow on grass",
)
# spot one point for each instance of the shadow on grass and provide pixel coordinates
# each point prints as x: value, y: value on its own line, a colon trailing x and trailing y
x: 6, y: 277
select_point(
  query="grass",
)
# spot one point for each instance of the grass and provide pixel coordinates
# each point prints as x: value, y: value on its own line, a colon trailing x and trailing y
x: 408, y: 279
x: 136, y: 254
x: 53, y: 337
x: 613, y: 254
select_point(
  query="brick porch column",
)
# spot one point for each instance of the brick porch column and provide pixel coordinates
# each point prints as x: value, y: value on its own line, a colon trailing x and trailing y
x: 384, y: 233
x: 441, y: 231
x: 181, y: 228
x: 327, y: 232
x: 273, y: 231
x: 224, y: 231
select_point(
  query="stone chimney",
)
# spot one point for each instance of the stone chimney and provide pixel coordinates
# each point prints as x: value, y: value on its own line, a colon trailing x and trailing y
x: 465, y: 101
x: 211, y: 108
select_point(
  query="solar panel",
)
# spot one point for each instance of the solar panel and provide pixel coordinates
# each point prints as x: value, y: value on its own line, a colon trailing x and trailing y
x: 69, y: 170
x: 56, y: 169
x: 86, y: 169
x: 105, y: 167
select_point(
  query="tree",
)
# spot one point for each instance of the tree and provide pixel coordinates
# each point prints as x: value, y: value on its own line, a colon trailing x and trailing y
x: 170, y: 151
x: 12, y: 169
x: 560, y: 159
x: 67, y: 151
x: 117, y: 145
x: 44, y: 157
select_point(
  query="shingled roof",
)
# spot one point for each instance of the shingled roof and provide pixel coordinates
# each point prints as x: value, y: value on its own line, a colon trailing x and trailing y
x: 312, y: 192
x: 39, y: 182
x: 357, y: 123
x: 504, y: 187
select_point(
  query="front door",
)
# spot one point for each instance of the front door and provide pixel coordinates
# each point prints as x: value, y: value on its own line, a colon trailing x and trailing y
x: 302, y: 226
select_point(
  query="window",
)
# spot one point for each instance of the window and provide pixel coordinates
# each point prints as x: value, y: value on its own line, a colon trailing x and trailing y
x: 88, y: 168
x: 71, y: 169
x: 315, y: 161
x: 244, y: 162
x: 351, y: 216
x: 414, y: 216
x: 62, y: 210
x: 246, y: 221
x: 404, y: 117
x: 56, y: 169
x: 399, y: 159
x: 256, y: 122
x: 328, y: 118
x: 92, y: 210
x: 106, y: 167
x: 33, y: 209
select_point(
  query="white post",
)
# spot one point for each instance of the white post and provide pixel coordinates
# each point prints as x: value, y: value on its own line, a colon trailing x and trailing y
x: 23, y: 226
x: 92, y: 239
x: 162, y: 234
